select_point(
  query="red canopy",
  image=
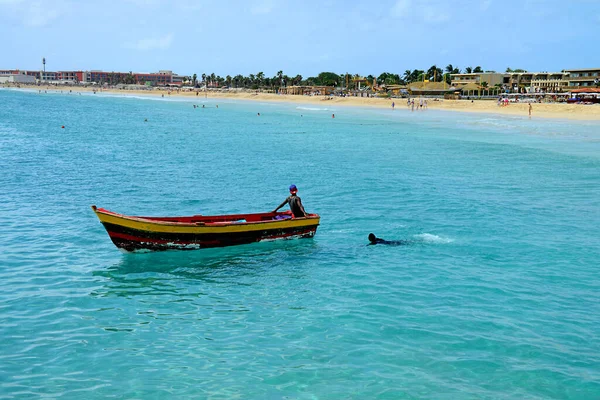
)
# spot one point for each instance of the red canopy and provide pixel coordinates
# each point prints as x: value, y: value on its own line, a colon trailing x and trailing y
x: 588, y: 90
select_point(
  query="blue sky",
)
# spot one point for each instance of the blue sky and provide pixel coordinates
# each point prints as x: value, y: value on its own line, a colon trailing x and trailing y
x: 298, y: 37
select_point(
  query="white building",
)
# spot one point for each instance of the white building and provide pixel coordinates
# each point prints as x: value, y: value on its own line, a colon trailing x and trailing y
x: 17, y: 78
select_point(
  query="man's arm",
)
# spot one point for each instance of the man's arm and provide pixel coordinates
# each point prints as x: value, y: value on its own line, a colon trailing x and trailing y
x: 302, y: 208
x: 281, y: 205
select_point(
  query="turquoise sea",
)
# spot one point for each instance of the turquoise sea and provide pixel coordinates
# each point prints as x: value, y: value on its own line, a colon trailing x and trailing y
x: 496, y: 296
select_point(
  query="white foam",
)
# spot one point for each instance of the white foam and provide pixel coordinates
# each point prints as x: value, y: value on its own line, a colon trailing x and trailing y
x: 429, y: 238
x: 313, y: 109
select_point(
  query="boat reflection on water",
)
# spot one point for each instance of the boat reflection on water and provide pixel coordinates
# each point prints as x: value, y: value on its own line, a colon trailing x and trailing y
x: 170, y: 272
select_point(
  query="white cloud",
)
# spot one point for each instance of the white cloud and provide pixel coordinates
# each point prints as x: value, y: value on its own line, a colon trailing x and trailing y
x: 161, y: 43
x: 400, y: 9
x: 144, y: 3
x: 434, y: 16
x: 34, y: 13
x: 426, y: 11
x: 41, y: 15
x: 262, y: 7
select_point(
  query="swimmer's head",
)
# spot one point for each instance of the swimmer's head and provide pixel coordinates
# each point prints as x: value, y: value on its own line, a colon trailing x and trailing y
x: 293, y: 189
x: 372, y: 237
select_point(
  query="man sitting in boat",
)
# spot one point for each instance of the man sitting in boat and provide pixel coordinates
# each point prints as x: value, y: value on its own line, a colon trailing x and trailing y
x: 295, y: 204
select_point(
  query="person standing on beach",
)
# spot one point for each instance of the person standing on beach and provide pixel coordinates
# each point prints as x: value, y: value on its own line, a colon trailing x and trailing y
x: 295, y: 204
x: 393, y: 105
x: 530, y: 107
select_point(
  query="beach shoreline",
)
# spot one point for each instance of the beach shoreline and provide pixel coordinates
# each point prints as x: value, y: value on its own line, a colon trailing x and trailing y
x: 539, y: 110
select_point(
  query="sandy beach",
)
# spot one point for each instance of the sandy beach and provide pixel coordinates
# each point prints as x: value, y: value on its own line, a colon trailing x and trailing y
x: 540, y: 110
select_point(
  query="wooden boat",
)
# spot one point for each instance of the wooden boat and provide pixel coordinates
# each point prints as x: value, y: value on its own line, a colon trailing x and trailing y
x: 198, y: 231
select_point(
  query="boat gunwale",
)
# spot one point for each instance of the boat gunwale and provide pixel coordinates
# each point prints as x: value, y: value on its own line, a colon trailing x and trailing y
x: 199, y: 224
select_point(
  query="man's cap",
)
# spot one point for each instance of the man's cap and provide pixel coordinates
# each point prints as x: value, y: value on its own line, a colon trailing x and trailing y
x: 293, y: 188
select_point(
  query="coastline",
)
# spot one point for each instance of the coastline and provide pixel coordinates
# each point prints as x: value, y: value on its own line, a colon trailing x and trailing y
x: 540, y: 110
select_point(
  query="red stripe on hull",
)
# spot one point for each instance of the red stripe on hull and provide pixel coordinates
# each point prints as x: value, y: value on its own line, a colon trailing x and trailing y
x: 133, y: 243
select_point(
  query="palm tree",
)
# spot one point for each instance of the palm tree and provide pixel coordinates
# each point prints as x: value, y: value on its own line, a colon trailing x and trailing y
x: 194, y: 77
x: 433, y: 73
x: 406, y: 76
x: 204, y: 79
x: 280, y: 77
x: 260, y: 77
x: 468, y: 70
x: 478, y: 69
x: 228, y: 80
x: 450, y: 69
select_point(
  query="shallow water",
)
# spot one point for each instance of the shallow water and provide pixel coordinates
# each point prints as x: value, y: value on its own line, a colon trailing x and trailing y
x: 496, y: 296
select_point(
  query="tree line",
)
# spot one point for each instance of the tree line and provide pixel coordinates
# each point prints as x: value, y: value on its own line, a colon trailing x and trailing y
x: 346, y: 80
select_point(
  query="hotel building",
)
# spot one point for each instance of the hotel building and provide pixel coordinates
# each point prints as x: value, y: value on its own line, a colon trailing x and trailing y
x: 583, y: 77
x: 491, y: 78
x: 518, y: 82
x: 160, y: 78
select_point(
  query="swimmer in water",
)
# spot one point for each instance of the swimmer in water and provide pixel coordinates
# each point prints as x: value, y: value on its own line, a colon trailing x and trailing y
x: 375, y: 240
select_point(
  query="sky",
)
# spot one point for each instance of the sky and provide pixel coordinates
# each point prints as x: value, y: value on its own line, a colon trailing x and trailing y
x: 298, y: 36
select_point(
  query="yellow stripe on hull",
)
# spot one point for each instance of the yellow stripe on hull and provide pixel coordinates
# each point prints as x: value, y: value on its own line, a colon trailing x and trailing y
x: 174, y: 227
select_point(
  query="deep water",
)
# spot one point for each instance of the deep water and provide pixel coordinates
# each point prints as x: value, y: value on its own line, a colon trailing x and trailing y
x: 496, y: 295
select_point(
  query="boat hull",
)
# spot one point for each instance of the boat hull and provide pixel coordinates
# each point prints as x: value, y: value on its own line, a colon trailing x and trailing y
x: 191, y: 233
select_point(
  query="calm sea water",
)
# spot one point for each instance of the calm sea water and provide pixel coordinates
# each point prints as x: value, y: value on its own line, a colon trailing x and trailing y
x: 496, y: 296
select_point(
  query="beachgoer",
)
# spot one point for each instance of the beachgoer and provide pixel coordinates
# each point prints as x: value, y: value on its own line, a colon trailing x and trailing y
x: 375, y: 240
x: 393, y: 105
x: 295, y: 203
x: 530, y: 107
x: 258, y: 114
x: 217, y: 106
x: 332, y: 115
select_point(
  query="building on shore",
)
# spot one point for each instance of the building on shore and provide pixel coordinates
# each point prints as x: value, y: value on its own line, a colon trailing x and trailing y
x: 307, y: 90
x: 517, y: 82
x: 583, y: 77
x: 479, y: 78
x: 429, y: 88
x: 160, y: 78
x: 16, y: 78
x: 550, y: 82
x: 396, y: 90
